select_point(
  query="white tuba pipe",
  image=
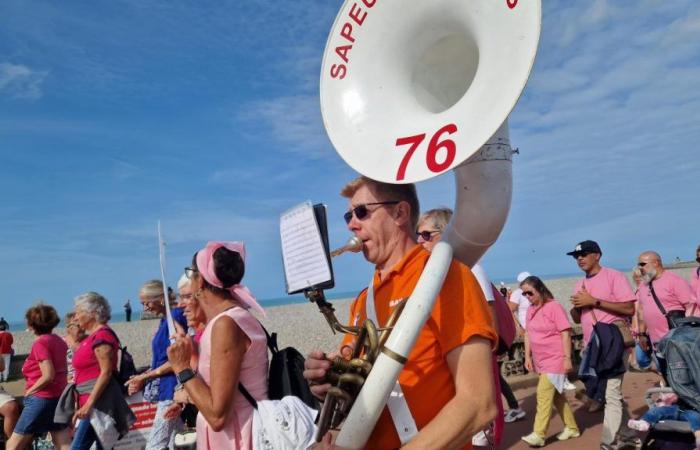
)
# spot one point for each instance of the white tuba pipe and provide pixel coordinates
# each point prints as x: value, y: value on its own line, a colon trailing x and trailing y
x: 484, y: 187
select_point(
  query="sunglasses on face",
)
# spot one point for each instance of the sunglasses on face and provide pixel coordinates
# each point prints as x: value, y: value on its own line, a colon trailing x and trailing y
x: 427, y: 235
x: 190, y: 271
x: 580, y: 255
x: 361, y: 211
x: 642, y: 263
x: 528, y: 293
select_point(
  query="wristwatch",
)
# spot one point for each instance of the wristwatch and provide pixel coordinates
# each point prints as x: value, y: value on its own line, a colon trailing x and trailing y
x: 185, y: 376
x: 597, y: 303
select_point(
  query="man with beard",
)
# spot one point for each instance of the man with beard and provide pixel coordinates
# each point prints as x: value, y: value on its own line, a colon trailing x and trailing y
x: 663, y: 296
x: 605, y: 296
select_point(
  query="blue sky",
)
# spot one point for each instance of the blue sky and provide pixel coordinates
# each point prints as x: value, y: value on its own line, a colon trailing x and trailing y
x: 206, y: 116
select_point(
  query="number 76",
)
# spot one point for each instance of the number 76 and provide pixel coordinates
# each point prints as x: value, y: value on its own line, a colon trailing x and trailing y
x: 433, y: 148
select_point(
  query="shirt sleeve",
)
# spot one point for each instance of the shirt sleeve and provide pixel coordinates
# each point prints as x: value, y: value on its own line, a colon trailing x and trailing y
x: 622, y: 291
x: 559, y: 316
x: 683, y: 292
x: 41, y: 350
x: 103, y: 336
x: 461, y: 311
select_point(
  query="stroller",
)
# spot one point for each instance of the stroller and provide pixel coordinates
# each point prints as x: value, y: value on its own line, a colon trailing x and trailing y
x: 678, y: 356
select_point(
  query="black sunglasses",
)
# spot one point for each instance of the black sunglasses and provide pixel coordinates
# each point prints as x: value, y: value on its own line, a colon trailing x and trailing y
x: 528, y: 293
x: 642, y: 264
x: 361, y: 211
x: 581, y: 254
x: 190, y: 271
x: 427, y: 235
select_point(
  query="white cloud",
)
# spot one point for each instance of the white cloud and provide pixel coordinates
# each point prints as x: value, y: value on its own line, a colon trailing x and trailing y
x: 19, y: 81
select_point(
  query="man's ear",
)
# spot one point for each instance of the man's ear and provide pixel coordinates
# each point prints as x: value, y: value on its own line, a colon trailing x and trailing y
x: 402, y: 213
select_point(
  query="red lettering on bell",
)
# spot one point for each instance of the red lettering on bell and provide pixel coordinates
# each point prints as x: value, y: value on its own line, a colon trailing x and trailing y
x: 369, y: 3
x: 342, y: 51
x: 357, y: 14
x: 512, y: 3
x: 346, y: 32
x: 338, y: 71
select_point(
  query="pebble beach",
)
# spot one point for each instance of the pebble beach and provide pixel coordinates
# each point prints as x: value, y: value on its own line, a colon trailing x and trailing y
x: 297, y: 325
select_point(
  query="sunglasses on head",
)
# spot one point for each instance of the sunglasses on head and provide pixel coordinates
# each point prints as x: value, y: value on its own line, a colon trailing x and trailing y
x: 361, y: 211
x: 528, y: 293
x: 427, y: 235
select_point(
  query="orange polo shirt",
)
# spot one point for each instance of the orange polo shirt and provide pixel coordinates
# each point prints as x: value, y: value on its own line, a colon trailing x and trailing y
x: 460, y: 312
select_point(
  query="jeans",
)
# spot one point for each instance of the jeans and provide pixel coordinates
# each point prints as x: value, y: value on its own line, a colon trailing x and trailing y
x: 84, y: 437
x: 673, y: 412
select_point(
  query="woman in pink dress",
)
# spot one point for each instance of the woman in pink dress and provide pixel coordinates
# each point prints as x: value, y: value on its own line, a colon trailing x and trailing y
x: 233, y: 349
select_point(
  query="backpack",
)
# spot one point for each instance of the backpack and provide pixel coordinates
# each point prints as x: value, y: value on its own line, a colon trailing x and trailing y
x: 504, y: 321
x: 680, y: 349
x: 126, y: 367
x: 286, y: 373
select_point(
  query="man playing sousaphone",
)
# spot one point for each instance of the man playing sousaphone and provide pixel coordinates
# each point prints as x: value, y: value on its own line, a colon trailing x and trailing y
x: 447, y: 381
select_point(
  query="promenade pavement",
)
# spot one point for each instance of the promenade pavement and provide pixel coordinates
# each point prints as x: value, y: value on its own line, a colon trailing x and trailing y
x: 634, y: 387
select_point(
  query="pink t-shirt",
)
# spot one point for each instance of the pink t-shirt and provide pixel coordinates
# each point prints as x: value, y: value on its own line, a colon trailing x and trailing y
x: 673, y: 293
x: 544, y: 327
x: 695, y: 285
x: 608, y: 285
x: 52, y: 348
x: 85, y: 362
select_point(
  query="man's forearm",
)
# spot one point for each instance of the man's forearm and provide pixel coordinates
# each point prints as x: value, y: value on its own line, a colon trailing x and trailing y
x: 455, y: 424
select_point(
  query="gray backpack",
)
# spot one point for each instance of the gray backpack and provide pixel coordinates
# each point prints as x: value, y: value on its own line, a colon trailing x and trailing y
x: 680, y: 348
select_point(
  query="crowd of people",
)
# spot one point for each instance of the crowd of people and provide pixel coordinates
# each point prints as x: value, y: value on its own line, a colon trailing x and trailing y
x: 213, y: 370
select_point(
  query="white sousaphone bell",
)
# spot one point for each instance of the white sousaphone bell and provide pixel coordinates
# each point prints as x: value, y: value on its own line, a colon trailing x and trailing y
x: 410, y: 90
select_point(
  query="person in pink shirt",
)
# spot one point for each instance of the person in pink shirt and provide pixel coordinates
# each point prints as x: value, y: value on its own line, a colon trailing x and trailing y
x: 695, y: 278
x: 604, y: 295
x: 45, y: 372
x: 671, y: 291
x: 548, y: 352
x: 233, y: 349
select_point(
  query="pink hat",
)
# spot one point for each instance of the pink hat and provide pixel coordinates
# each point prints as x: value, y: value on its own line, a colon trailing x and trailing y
x: 205, y: 265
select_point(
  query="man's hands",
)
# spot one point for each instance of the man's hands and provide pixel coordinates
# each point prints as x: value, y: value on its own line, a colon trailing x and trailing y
x: 316, y: 369
x: 582, y: 299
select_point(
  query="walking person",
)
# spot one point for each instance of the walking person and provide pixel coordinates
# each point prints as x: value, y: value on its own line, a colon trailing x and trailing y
x: 160, y: 380
x: 45, y: 374
x: 6, y: 341
x: 101, y: 408
x: 233, y: 350
x: 127, y: 310
x: 548, y: 352
x: 604, y: 296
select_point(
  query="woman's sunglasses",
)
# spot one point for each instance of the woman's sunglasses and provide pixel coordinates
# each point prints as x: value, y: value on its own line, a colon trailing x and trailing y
x: 427, y: 235
x: 361, y: 211
x: 528, y: 293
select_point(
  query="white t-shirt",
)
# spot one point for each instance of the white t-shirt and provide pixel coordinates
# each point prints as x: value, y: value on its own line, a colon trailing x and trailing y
x: 523, y: 303
x: 484, y: 281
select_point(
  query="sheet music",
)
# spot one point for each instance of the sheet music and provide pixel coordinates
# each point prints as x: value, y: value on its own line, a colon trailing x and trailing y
x: 303, y: 254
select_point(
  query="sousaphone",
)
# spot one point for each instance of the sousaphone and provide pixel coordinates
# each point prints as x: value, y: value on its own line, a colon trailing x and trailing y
x: 409, y: 91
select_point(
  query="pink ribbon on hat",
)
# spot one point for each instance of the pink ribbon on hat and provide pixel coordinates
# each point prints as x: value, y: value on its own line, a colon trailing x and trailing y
x: 205, y: 266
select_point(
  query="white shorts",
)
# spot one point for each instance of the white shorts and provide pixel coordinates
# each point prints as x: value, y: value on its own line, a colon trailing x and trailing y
x: 5, y: 397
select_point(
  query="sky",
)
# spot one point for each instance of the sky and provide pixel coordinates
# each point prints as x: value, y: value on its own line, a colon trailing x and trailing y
x: 206, y: 116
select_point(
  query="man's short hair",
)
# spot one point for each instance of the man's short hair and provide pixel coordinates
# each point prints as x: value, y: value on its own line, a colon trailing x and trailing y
x: 387, y: 192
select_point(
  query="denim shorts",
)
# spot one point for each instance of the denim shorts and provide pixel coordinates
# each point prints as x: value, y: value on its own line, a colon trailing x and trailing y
x: 37, y: 416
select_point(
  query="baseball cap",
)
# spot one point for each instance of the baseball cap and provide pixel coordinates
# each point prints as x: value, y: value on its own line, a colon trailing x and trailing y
x: 585, y: 247
x: 522, y: 276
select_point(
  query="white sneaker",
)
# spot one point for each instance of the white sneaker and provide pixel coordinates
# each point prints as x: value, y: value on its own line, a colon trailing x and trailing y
x: 480, y: 439
x: 513, y: 415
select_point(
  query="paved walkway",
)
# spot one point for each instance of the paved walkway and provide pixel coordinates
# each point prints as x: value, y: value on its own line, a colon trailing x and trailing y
x: 634, y: 386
